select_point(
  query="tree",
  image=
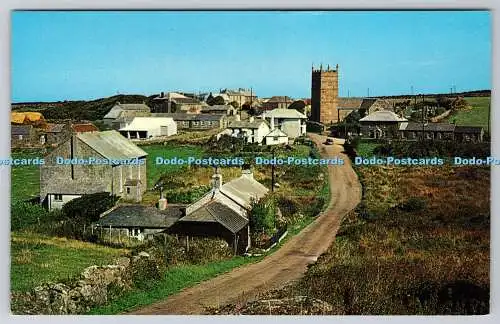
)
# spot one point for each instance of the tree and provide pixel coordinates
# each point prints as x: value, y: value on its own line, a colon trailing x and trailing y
x: 88, y: 208
x: 218, y: 101
x: 298, y: 105
x: 210, y: 99
x: 235, y: 104
x: 263, y: 216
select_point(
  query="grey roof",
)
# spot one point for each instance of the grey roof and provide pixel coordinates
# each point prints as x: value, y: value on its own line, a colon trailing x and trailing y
x: 246, y: 123
x: 430, y: 127
x: 280, y: 99
x: 284, y: 113
x: 195, y: 117
x: 185, y: 101
x: 21, y: 129
x: 349, y: 103
x: 243, y: 190
x: 111, y: 145
x: 382, y: 116
x: 141, y: 216
x: 134, y: 106
x: 215, y: 211
x: 468, y: 129
x: 217, y: 107
x: 55, y: 128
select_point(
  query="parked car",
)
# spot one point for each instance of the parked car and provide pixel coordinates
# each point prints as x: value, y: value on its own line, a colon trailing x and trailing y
x: 329, y: 141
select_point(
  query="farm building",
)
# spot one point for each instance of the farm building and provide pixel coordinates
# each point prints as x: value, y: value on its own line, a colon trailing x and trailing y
x: 223, y: 212
x: 71, y: 170
x: 219, y: 109
x: 438, y: 131
x: 149, y: 127
x: 138, y: 221
x: 118, y: 109
x: 469, y: 134
x: 277, y: 102
x: 381, y: 124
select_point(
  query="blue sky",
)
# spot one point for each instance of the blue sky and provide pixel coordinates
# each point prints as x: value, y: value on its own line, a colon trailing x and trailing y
x: 87, y: 55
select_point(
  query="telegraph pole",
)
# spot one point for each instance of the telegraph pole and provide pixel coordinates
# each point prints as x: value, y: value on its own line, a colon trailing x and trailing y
x: 272, y: 171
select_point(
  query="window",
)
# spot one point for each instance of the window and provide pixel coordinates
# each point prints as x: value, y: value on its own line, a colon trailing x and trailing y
x: 58, y: 197
x: 20, y: 137
x: 128, y: 190
x: 275, y: 138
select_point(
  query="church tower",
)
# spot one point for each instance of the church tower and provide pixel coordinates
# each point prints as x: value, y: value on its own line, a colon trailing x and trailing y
x: 324, y: 94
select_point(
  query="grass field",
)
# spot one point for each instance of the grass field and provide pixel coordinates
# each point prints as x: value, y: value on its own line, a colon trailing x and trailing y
x: 477, y: 115
x: 428, y: 260
x: 25, y: 179
x: 36, y: 259
x: 167, y: 152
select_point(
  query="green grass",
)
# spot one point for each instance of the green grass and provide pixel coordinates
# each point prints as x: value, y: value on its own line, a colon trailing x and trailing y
x: 365, y: 149
x: 154, y: 171
x: 476, y: 116
x: 175, y: 279
x: 37, y: 259
x: 25, y: 179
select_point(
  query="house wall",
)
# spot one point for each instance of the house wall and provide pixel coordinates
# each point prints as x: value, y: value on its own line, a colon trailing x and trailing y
x: 86, y: 179
x: 58, y: 204
x: 292, y: 127
x: 270, y: 140
x: 389, y: 129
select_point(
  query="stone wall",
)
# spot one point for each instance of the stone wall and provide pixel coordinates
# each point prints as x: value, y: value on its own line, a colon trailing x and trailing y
x: 95, y: 286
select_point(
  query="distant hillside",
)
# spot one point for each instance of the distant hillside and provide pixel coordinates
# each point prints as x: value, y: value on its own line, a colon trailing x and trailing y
x: 80, y: 110
x: 475, y: 93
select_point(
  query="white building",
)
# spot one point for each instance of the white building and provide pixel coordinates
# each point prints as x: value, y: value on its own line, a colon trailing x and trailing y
x: 253, y: 130
x: 289, y: 121
x: 276, y: 137
x: 119, y: 109
x: 149, y: 127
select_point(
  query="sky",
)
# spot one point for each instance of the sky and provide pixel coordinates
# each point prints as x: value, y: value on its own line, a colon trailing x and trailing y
x: 89, y: 55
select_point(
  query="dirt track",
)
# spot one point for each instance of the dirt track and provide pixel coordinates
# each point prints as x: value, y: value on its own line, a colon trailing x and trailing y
x: 288, y: 263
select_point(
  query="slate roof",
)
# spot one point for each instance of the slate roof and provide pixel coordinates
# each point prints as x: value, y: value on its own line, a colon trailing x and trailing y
x: 21, y: 129
x: 243, y: 190
x: 215, y: 211
x: 349, y: 103
x: 141, y: 216
x: 280, y: 99
x: 217, y: 108
x: 468, y: 129
x: 185, y: 100
x: 134, y: 106
x: 54, y: 128
x: 284, y: 113
x: 382, y: 116
x: 196, y: 117
x: 111, y: 145
x: 246, y: 124
x: 430, y: 127
x: 277, y: 133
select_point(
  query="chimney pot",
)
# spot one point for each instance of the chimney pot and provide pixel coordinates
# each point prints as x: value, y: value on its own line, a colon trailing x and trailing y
x: 162, y: 204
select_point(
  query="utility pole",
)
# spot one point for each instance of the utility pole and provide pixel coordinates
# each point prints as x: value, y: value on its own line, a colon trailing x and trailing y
x: 489, y: 113
x: 368, y: 93
x: 423, y: 117
x: 411, y: 90
x: 272, y: 171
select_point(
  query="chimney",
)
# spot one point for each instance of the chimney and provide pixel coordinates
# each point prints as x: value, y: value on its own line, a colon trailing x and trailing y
x: 251, y: 119
x: 162, y: 94
x: 162, y: 203
x: 238, y: 118
x: 272, y: 123
x: 216, y: 180
x: 263, y: 115
x: 247, y: 172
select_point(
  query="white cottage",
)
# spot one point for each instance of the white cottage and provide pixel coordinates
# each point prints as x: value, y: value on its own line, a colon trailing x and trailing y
x: 253, y: 130
x: 289, y: 121
x: 149, y: 127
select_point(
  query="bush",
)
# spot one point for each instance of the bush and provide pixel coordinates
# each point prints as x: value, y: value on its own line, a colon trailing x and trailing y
x: 24, y: 215
x: 263, y: 216
x: 88, y: 208
x: 413, y: 204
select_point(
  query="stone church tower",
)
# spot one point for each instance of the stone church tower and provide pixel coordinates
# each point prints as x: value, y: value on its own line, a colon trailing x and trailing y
x: 324, y: 95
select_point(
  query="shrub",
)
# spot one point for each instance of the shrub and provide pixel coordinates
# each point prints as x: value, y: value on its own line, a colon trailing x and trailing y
x: 88, y: 208
x: 262, y: 216
x: 24, y: 215
x: 413, y: 204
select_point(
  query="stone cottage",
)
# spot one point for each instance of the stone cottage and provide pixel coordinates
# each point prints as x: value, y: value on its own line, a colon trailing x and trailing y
x: 223, y: 212
x: 381, y: 124
x: 93, y: 162
x: 118, y: 109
